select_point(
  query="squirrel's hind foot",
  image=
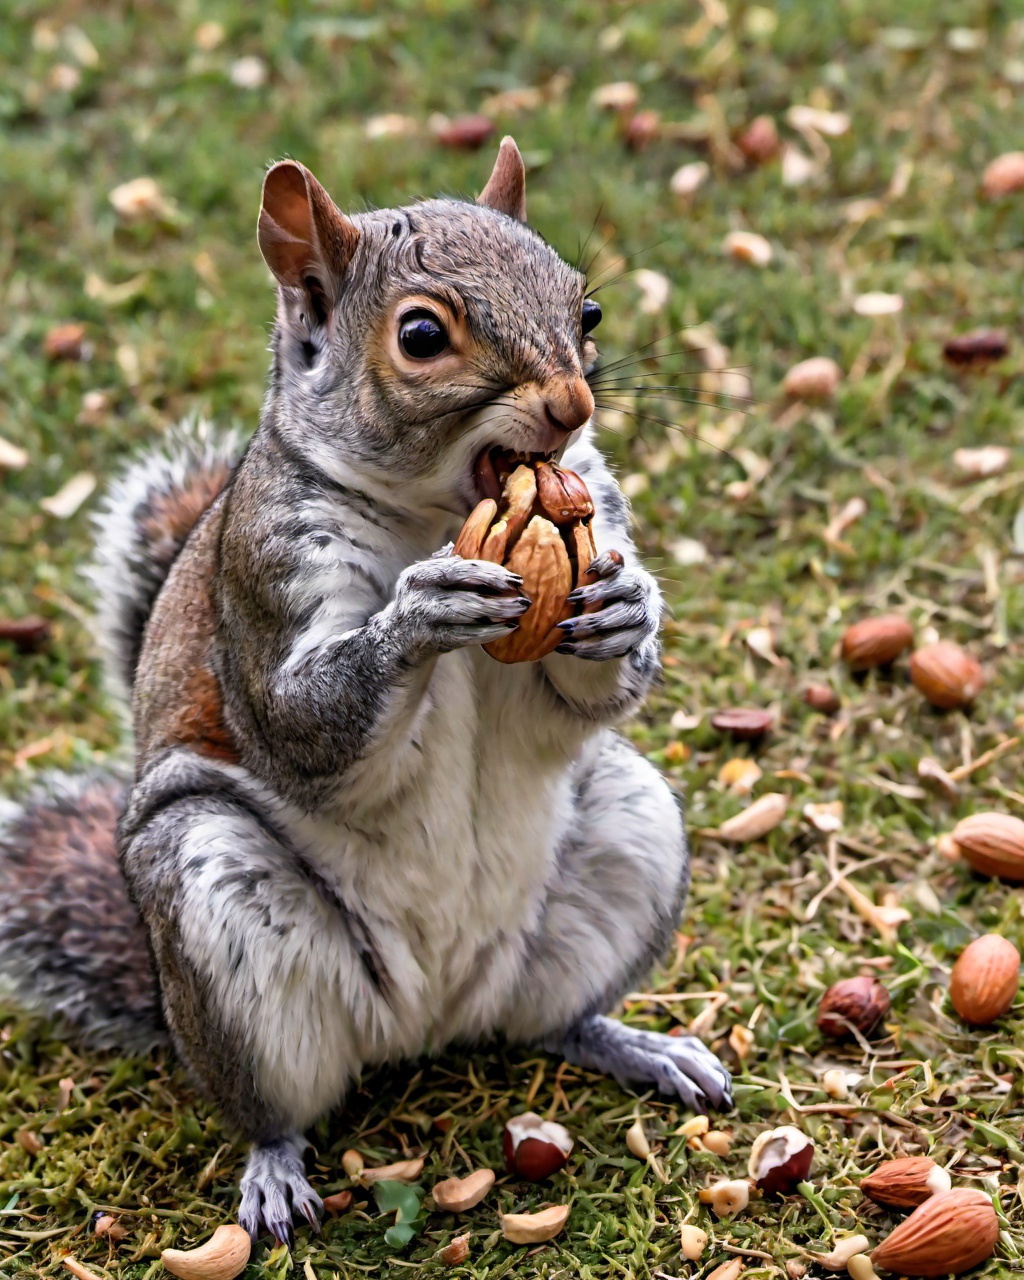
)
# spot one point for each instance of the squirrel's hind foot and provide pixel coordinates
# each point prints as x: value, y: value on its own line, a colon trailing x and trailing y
x: 274, y: 1189
x: 676, y: 1065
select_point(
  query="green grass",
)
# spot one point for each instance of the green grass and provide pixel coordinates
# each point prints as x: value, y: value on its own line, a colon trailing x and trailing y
x: 190, y: 335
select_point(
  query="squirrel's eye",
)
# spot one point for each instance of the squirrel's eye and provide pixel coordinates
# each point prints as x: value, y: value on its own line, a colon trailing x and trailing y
x: 591, y: 315
x: 422, y: 336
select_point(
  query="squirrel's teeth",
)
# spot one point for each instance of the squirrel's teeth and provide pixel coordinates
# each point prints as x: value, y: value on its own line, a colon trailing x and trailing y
x: 487, y: 481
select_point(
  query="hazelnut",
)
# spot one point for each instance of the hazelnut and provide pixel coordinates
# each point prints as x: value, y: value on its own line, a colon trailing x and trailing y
x: 947, y: 675
x: 983, y: 984
x: 781, y: 1159
x: 535, y: 1148
x: 875, y: 642
x: 465, y: 133
x: 823, y: 698
x: 746, y: 724
x: 1004, y: 175
x: 65, y: 342
x: 976, y: 349
x: 759, y: 141
x: 859, y: 1003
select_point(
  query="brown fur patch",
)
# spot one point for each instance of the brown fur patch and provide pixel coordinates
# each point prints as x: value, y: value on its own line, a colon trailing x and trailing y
x: 200, y: 722
x: 172, y: 516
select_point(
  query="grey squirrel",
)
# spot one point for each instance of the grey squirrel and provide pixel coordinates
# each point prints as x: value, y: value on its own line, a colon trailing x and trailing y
x: 351, y: 836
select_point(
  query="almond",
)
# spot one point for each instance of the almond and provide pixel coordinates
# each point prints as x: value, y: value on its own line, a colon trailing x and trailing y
x: 1004, y: 175
x: 993, y: 843
x: 947, y: 675
x: 983, y: 984
x: 906, y: 1183
x: 756, y: 820
x: 875, y: 642
x: 456, y: 1195
x: 950, y: 1232
x: 222, y: 1257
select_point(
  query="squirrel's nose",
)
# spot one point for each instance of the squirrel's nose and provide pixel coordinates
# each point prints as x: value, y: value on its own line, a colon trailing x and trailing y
x: 568, y: 404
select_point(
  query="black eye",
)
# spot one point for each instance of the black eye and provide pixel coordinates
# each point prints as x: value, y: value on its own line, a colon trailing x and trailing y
x: 591, y: 315
x: 422, y: 336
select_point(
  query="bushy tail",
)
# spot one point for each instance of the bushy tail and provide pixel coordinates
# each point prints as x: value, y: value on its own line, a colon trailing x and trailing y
x: 146, y: 516
x: 71, y: 942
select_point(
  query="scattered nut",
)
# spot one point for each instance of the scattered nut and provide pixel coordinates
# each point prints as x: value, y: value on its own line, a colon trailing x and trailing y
x: 717, y: 1141
x: 756, y: 820
x: 692, y: 1241
x: 532, y: 1228
x: 823, y: 698
x: 853, y: 1002
x: 222, y: 1257
x: 689, y: 178
x: 726, y: 1198
x: 842, y: 1252
x: 980, y: 464
x: 695, y: 1127
x: 30, y: 1142
x: 780, y: 1159
x: 837, y: 1083
x: 636, y: 1140
x: 26, y: 634
x: 738, y: 775
x: 906, y: 1183
x: 65, y: 342
x: 947, y: 675
x: 877, y: 304
x: 983, y: 984
x: 642, y: 129
x: 400, y: 1171
x: 825, y: 816
x: 338, y: 1203
x: 456, y: 1251
x: 976, y: 349
x: 759, y: 141
x: 456, y: 1195
x: 107, y: 1225
x: 535, y: 1148
x: 993, y: 843
x: 730, y: 1270
x: 950, y: 1232
x: 745, y: 724
x: 860, y: 1267
x: 748, y: 246
x: 467, y: 133
x: 1003, y: 176
x: 79, y: 1271
x: 876, y: 642
x: 621, y: 95
x: 352, y: 1162
x: 815, y: 379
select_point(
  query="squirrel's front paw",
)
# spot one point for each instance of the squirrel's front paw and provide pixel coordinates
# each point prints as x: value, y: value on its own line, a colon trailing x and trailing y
x: 628, y: 616
x: 447, y: 603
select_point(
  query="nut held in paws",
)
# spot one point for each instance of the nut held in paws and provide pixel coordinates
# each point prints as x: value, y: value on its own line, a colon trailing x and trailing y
x: 540, y: 529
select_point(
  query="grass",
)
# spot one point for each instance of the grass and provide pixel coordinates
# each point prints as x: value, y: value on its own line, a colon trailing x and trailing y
x: 933, y: 91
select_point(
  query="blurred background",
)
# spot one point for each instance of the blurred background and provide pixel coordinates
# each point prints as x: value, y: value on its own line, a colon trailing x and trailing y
x: 753, y: 186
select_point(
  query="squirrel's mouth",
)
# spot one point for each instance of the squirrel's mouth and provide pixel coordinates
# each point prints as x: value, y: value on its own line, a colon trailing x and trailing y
x: 494, y: 466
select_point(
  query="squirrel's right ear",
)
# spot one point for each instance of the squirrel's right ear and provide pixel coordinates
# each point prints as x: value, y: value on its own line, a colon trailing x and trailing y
x: 506, y: 187
x: 305, y: 239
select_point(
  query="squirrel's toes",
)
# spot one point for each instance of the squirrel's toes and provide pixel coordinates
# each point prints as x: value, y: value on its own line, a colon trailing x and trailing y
x: 274, y: 1189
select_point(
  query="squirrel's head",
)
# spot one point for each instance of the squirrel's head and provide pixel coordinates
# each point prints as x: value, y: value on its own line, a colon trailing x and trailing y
x: 429, y: 344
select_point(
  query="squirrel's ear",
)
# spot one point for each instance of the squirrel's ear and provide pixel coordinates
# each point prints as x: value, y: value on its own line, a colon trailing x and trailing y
x: 305, y: 239
x: 506, y: 187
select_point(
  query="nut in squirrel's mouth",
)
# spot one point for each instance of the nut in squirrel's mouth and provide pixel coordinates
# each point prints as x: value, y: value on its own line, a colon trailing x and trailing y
x: 495, y: 464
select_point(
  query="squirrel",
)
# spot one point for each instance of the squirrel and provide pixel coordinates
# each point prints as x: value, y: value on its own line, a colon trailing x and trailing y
x: 352, y: 837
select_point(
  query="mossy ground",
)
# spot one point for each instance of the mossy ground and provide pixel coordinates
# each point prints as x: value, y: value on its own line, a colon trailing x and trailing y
x: 934, y: 91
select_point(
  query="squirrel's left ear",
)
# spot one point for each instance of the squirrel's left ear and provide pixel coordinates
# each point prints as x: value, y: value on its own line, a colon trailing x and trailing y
x: 304, y: 237
x: 506, y: 187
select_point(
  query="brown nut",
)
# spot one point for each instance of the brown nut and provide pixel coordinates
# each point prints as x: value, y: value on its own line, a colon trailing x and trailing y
x: 876, y: 642
x: 26, y: 634
x: 993, y: 843
x: 906, y: 1183
x: 759, y: 141
x: 853, y: 1002
x: 823, y: 698
x: 465, y: 133
x: 535, y: 1148
x: 65, y: 342
x: 983, y: 984
x: 540, y: 529
x: 780, y: 1159
x: 456, y: 1251
x: 977, y: 348
x: 222, y: 1257
x: 950, y: 1232
x: 745, y: 724
x: 1004, y: 175
x: 947, y: 675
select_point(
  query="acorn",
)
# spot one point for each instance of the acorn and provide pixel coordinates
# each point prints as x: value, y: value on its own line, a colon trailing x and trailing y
x: 535, y: 1148
x: 781, y: 1159
x: 853, y: 1002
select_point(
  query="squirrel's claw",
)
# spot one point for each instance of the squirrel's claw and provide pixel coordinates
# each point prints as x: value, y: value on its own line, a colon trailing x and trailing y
x: 275, y: 1189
